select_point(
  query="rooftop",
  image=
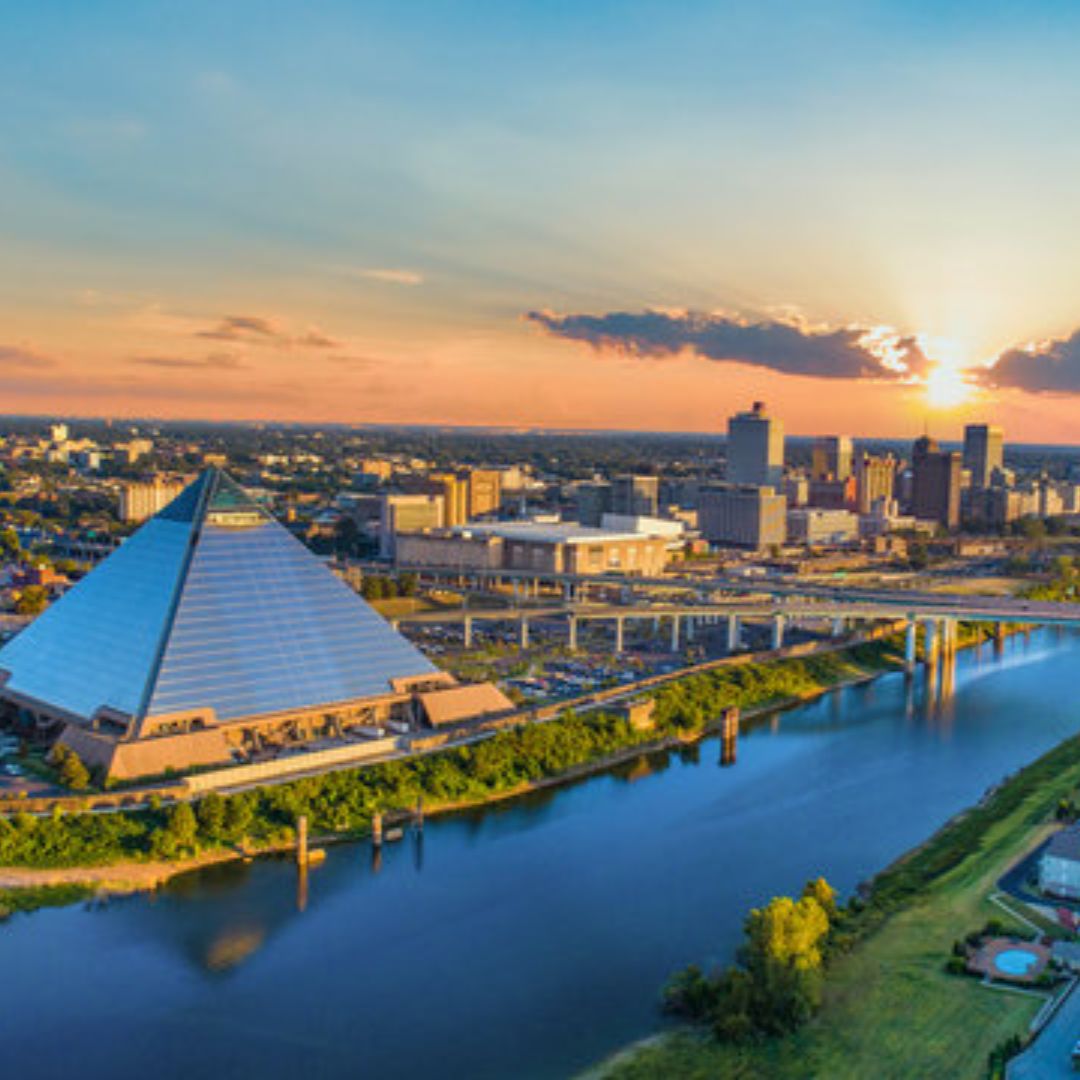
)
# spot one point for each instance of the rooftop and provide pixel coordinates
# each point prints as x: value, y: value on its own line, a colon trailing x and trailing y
x: 560, y: 532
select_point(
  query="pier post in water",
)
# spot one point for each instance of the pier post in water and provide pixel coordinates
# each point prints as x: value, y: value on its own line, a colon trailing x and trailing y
x: 376, y: 829
x: 301, y: 841
x: 729, y: 735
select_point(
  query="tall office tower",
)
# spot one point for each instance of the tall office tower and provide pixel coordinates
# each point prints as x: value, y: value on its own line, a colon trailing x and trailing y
x: 141, y: 501
x: 749, y: 517
x: 635, y: 496
x: 831, y: 458
x: 875, y: 478
x: 485, y: 491
x: 936, y: 483
x: 592, y: 501
x: 984, y: 452
x: 455, y: 495
x: 755, y: 448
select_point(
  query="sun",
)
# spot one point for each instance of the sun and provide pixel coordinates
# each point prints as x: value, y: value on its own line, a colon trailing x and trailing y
x: 946, y: 387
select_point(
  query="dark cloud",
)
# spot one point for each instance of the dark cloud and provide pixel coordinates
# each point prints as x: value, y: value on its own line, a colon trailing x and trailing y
x: 213, y: 362
x: 846, y: 353
x: 1050, y: 368
x: 257, y: 330
x: 243, y: 328
x: 16, y: 356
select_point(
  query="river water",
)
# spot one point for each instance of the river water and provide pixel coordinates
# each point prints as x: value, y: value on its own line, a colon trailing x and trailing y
x: 530, y: 939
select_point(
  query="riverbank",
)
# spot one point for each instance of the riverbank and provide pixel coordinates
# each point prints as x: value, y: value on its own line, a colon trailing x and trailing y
x: 889, y: 1008
x: 121, y: 853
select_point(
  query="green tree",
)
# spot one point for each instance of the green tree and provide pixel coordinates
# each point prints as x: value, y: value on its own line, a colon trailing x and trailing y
x: 32, y: 600
x: 181, y: 828
x: 211, y: 815
x: 73, y: 773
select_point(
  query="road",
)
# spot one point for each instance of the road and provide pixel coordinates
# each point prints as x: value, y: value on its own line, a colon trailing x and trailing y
x: 1049, y: 1056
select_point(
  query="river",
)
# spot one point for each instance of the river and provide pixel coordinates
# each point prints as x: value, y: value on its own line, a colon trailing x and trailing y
x: 528, y: 939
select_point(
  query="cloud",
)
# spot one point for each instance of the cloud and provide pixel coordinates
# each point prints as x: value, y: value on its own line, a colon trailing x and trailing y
x: 1049, y: 367
x: 257, y: 330
x: 850, y: 352
x: 391, y: 276
x: 212, y: 362
x: 20, y: 357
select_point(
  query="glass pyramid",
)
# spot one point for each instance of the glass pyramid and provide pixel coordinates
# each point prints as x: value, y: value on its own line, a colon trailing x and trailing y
x: 211, y: 604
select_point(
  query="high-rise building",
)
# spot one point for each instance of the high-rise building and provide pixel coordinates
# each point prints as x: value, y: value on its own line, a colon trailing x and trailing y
x: 485, y: 491
x: 984, y: 453
x: 141, y: 501
x: 831, y: 458
x: 755, y: 448
x: 935, y: 492
x: 875, y: 478
x: 592, y: 501
x: 635, y: 496
x: 468, y: 493
x: 749, y: 516
x: 400, y: 513
x: 211, y: 634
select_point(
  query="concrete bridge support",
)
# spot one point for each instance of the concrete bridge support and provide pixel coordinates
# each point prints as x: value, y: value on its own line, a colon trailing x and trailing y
x: 675, y: 633
x: 778, y: 631
x: 619, y: 626
x: 910, y: 650
x: 733, y: 633
x: 467, y: 638
x: 931, y: 647
x: 838, y: 627
x: 523, y: 628
x: 571, y: 627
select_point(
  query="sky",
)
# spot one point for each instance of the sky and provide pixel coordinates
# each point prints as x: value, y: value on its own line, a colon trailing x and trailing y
x: 599, y: 215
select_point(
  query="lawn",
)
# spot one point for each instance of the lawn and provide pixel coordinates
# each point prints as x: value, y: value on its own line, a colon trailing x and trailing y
x: 890, y: 1010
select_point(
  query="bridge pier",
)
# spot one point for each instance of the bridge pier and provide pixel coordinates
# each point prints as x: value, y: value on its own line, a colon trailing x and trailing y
x: 932, y: 647
x: 910, y: 651
x: 778, y: 632
x: 571, y: 626
x: 619, y: 621
x: 467, y: 638
x: 674, y: 633
x: 523, y: 627
x: 838, y: 627
x: 733, y: 633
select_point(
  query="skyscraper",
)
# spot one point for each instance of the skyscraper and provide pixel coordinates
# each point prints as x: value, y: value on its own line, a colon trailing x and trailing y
x: 984, y: 452
x: 936, y: 483
x: 755, y: 448
x: 874, y: 480
x: 831, y: 458
x: 635, y: 496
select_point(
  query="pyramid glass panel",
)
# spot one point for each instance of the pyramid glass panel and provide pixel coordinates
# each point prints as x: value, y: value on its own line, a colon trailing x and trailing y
x: 98, y: 646
x: 211, y: 604
x: 262, y: 626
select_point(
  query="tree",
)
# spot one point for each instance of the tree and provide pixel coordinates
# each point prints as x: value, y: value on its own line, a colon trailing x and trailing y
x: 10, y: 548
x: 211, y: 815
x: 181, y: 828
x: 33, y: 600
x: 72, y: 772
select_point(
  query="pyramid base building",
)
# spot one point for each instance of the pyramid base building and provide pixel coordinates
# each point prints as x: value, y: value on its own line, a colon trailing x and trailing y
x: 213, y: 636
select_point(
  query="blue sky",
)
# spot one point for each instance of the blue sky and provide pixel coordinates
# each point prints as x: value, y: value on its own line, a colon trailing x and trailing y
x: 163, y: 166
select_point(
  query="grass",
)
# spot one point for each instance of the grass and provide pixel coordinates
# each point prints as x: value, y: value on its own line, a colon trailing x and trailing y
x: 889, y: 1009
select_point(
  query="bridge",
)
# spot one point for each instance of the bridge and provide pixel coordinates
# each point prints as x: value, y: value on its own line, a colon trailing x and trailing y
x: 937, y: 615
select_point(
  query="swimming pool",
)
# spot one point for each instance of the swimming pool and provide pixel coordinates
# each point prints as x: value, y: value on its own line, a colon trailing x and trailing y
x: 1016, y: 962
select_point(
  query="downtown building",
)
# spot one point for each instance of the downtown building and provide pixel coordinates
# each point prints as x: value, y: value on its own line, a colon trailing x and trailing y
x: 213, y: 636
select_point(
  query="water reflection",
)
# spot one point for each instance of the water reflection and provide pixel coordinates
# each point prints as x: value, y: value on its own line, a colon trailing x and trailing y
x: 489, y: 935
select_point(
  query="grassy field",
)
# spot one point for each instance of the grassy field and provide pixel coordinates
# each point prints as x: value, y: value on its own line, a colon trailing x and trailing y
x: 890, y: 1010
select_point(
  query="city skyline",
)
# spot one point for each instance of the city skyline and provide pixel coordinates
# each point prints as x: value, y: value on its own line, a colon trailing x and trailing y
x: 631, y: 217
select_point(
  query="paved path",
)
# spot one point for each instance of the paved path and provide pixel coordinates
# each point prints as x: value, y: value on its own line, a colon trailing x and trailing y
x: 1049, y: 1056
